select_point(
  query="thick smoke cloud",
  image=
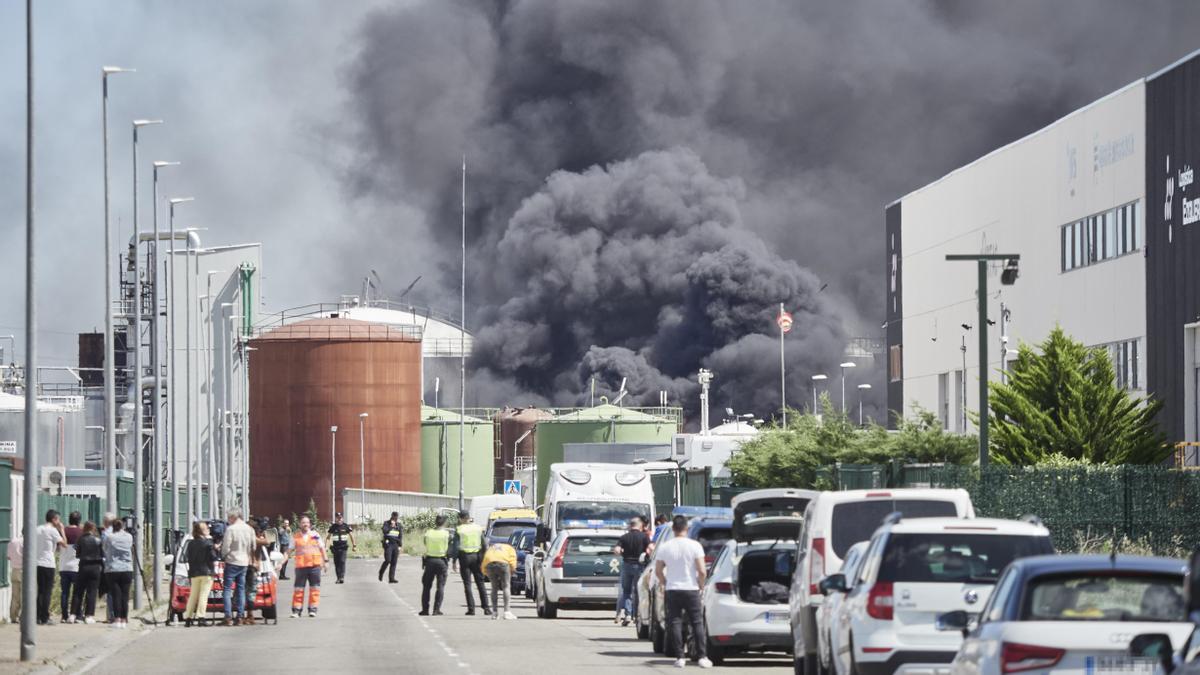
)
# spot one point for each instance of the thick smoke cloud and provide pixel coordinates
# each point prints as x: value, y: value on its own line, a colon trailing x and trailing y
x: 798, y: 122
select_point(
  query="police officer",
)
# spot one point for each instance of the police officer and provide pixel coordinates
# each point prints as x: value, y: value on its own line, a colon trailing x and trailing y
x: 469, y: 547
x: 393, y: 538
x: 437, y: 549
x: 339, y: 532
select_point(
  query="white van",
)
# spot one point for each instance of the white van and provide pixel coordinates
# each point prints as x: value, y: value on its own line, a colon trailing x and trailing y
x: 835, y: 521
x: 483, y: 505
x: 587, y: 495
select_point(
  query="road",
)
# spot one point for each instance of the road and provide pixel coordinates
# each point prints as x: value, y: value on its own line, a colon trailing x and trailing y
x: 366, y: 626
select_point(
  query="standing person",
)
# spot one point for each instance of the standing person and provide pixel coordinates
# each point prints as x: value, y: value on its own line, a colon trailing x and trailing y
x: 433, y: 565
x: 89, y: 551
x: 105, y: 530
x: 118, y: 565
x: 679, y: 566
x: 468, y: 544
x: 16, y: 556
x: 262, y: 544
x: 499, y: 561
x: 631, y: 546
x: 339, y: 532
x: 393, y: 540
x: 200, y: 558
x: 68, y: 566
x: 311, y: 558
x: 285, y: 543
x: 237, y: 545
x: 50, y: 538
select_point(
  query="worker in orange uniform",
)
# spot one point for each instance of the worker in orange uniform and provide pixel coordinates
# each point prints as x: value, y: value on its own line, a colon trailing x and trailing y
x: 308, y: 550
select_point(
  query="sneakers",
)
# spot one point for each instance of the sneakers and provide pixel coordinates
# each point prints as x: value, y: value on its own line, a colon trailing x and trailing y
x: 423, y: 612
x: 487, y: 612
x: 510, y: 616
x: 679, y: 663
x: 704, y: 662
x: 312, y: 614
x: 470, y: 612
x: 88, y: 620
x: 438, y: 612
x: 70, y: 619
x: 295, y: 614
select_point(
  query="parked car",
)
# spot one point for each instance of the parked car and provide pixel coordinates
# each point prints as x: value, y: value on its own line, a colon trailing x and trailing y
x: 503, y: 522
x: 914, y: 571
x: 712, y: 532
x: 745, y: 599
x: 264, y: 599
x: 1071, y: 613
x: 827, y: 614
x: 579, y: 569
x: 522, y: 541
x: 1160, y: 646
x: 643, y: 593
x: 835, y: 521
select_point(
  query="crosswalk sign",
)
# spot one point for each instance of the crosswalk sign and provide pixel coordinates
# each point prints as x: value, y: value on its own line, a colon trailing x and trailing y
x: 512, y: 487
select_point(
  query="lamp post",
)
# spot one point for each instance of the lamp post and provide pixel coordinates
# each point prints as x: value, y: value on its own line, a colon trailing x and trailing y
x: 136, y: 338
x: 362, y: 468
x: 1008, y: 277
x: 30, y: 554
x: 332, y: 470
x: 515, y: 444
x: 862, y: 389
x: 226, y: 477
x: 844, y: 366
x: 171, y: 346
x: 110, y: 402
x: 159, y: 409
x: 209, y: 376
x: 815, y: 379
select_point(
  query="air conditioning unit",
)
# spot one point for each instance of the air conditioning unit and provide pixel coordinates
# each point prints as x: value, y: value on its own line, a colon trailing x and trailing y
x: 53, y: 478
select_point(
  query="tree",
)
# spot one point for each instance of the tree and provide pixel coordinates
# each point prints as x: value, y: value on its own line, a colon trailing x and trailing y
x: 1064, y: 401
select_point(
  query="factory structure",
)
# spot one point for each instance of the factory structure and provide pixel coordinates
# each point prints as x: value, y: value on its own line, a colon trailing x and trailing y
x: 1101, y: 209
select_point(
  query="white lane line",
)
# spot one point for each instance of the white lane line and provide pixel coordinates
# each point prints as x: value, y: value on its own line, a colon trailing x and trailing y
x: 433, y: 632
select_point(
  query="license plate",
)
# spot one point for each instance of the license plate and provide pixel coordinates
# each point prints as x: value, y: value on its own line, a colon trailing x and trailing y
x: 777, y: 617
x: 1106, y: 665
x: 595, y: 590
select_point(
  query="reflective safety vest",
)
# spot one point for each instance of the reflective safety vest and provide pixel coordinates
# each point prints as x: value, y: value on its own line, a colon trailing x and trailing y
x: 470, y: 538
x: 307, y: 549
x: 437, y: 543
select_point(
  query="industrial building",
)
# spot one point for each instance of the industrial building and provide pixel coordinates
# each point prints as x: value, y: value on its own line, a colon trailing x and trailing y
x: 1098, y: 208
x: 440, y: 433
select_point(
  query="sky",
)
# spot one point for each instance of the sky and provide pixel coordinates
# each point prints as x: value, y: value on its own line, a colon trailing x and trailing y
x: 646, y: 180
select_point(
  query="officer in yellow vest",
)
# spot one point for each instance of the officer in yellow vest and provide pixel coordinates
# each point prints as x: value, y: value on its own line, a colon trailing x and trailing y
x: 469, y: 547
x: 437, y: 549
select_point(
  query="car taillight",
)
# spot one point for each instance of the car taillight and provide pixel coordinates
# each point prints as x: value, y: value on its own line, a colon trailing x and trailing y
x: 558, y: 559
x: 723, y: 587
x: 1016, y: 657
x: 880, y: 601
x: 816, y: 565
x: 708, y: 560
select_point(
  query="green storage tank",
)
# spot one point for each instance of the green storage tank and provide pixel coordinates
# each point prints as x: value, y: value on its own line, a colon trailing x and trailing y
x: 439, y: 444
x: 605, y: 423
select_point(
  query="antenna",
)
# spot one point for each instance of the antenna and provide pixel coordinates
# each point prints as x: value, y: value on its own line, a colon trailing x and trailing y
x: 621, y: 392
x: 410, y: 287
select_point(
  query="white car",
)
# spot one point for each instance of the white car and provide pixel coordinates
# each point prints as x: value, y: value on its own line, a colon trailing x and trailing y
x: 827, y: 615
x: 914, y: 571
x: 745, y: 599
x: 648, y: 614
x: 833, y: 523
x: 579, y: 569
x: 1072, y: 614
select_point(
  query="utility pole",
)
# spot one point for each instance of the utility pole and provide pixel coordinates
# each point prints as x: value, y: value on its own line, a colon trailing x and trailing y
x: 29, y: 555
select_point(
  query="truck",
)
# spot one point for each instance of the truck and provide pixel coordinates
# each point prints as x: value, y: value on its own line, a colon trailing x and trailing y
x: 594, y: 496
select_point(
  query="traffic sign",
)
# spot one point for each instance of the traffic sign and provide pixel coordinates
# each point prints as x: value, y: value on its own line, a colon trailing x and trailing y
x: 784, y: 320
x: 8, y: 447
x: 512, y: 487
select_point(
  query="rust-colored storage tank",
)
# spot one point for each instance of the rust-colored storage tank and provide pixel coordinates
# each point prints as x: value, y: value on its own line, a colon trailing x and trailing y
x: 511, y: 424
x: 308, y: 376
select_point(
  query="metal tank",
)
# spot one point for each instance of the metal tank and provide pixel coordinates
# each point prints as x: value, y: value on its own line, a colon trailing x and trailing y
x: 511, y: 427
x: 604, y: 423
x: 439, y: 453
x: 311, y: 375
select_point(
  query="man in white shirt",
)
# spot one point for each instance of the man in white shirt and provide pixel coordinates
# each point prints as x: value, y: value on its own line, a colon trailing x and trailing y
x: 16, y: 549
x: 50, y: 538
x: 680, y: 569
x: 237, y: 547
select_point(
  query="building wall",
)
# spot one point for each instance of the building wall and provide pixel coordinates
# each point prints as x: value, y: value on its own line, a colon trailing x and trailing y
x: 1016, y: 200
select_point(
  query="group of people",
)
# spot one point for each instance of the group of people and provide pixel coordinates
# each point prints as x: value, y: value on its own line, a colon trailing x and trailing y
x: 85, y: 559
x: 463, y: 549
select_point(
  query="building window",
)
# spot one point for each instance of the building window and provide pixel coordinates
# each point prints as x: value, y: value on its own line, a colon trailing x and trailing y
x: 895, y: 363
x: 1102, y: 236
x: 1126, y: 360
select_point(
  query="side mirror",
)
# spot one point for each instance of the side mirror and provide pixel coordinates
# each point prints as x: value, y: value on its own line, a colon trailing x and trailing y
x: 834, y: 583
x: 1153, y: 646
x: 957, y: 620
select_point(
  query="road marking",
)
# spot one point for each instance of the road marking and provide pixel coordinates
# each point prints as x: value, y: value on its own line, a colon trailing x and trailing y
x: 433, y: 632
x: 118, y: 646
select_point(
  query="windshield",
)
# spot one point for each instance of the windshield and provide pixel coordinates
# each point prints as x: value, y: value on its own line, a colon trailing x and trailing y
x: 522, y: 539
x: 602, y: 546
x: 857, y: 521
x: 504, y: 530
x: 712, y: 539
x: 954, y: 557
x: 1105, y: 597
x: 599, y: 514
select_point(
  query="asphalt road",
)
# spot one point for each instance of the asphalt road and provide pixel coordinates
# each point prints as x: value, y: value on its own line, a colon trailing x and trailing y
x: 368, y: 626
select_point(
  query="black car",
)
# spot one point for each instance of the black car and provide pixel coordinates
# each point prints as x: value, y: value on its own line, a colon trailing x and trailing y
x: 522, y: 541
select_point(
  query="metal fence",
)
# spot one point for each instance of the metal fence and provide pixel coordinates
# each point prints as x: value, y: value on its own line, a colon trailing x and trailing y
x: 359, y: 506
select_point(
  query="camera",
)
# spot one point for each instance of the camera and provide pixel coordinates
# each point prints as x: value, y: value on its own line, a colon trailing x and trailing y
x: 130, y: 523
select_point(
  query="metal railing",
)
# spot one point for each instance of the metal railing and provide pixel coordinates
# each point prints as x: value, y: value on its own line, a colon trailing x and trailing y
x: 359, y: 506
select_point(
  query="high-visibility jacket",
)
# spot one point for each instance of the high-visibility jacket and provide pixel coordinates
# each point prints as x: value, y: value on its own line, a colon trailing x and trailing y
x: 437, y: 542
x: 307, y: 549
x: 470, y: 538
x: 501, y: 553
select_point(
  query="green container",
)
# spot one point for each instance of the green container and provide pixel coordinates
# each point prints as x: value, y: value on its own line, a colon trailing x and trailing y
x: 603, y: 424
x: 439, y: 446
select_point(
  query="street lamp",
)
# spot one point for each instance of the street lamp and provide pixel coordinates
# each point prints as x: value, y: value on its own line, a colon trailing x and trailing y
x: 815, y: 379
x: 1008, y: 277
x: 862, y: 389
x: 844, y: 366
x: 172, y: 347
x: 209, y: 373
x: 136, y: 338
x: 110, y: 405
x: 362, y: 468
x: 227, y: 384
x: 159, y: 414
x: 332, y: 470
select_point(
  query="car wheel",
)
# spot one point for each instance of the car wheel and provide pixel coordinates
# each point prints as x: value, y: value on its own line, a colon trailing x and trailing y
x: 657, y: 639
x: 546, y: 609
x: 715, y: 654
x: 853, y: 664
x: 642, y: 628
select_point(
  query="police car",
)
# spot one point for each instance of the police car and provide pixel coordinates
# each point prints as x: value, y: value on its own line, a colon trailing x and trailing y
x: 578, y: 569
